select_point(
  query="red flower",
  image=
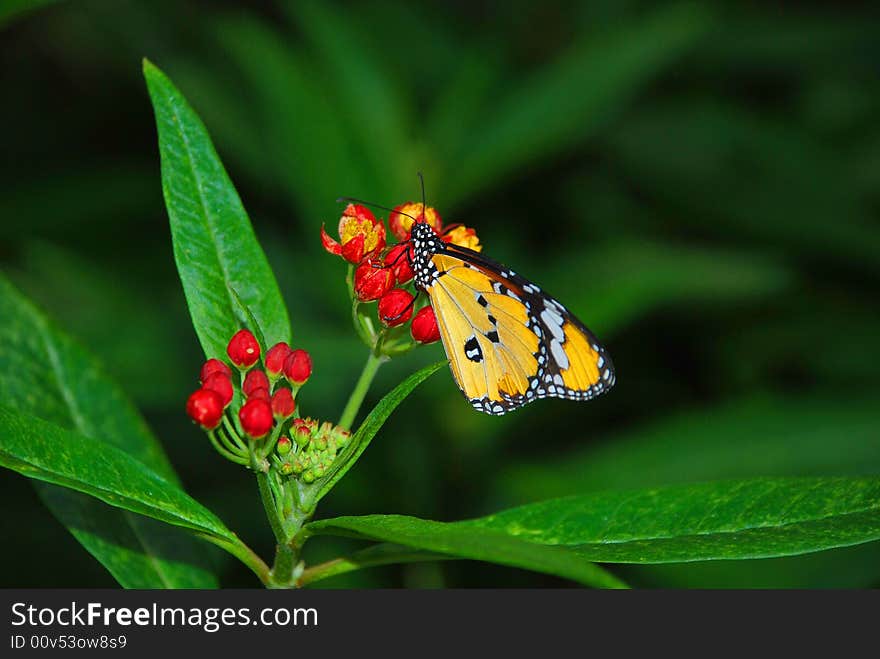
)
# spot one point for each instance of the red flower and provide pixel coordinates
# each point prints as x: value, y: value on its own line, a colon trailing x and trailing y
x: 275, y: 357
x: 243, y: 349
x: 298, y: 367
x: 213, y: 366
x: 205, y: 407
x: 399, y: 263
x: 424, y: 326
x: 220, y: 383
x: 256, y: 417
x: 261, y: 393
x: 464, y: 237
x: 372, y: 281
x: 256, y: 379
x: 395, y: 307
x: 401, y: 219
x: 283, y: 405
x: 360, y: 233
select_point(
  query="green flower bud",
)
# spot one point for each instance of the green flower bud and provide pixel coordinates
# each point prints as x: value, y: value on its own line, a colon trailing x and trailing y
x: 283, y: 446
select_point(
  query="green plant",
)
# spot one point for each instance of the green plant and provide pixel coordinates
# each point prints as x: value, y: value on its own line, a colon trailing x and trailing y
x: 97, y: 466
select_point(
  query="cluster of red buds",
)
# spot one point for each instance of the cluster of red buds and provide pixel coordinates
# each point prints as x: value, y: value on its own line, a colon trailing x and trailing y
x: 251, y: 417
x: 383, y: 273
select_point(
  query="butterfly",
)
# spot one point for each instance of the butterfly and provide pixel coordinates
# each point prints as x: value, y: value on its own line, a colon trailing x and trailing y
x: 508, y: 342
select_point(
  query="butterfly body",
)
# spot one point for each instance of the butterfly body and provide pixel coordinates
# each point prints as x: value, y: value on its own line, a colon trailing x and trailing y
x: 507, y: 341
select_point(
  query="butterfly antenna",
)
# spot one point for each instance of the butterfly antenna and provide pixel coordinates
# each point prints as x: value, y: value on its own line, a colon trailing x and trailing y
x: 370, y: 203
x: 424, y: 201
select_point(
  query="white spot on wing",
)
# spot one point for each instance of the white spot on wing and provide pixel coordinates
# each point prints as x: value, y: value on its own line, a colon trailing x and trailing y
x: 559, y: 354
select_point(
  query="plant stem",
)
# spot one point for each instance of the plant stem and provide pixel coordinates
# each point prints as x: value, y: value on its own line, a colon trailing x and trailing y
x: 243, y: 553
x: 270, y: 506
x: 282, y: 570
x: 374, y: 361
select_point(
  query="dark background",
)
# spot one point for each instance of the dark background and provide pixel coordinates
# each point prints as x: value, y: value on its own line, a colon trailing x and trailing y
x: 698, y: 182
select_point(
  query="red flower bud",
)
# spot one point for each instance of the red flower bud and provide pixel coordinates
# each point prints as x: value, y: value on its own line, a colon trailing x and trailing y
x: 243, y: 349
x: 213, y: 366
x: 220, y: 383
x: 275, y: 358
x: 360, y: 233
x: 372, y: 281
x: 205, y: 407
x: 401, y: 220
x: 256, y: 418
x: 424, y: 326
x: 283, y: 405
x: 395, y: 307
x: 298, y: 366
x: 261, y: 393
x: 255, y: 379
x: 301, y: 431
x: 399, y: 263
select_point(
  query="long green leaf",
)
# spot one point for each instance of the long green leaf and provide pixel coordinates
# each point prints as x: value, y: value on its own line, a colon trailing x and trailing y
x: 42, y: 450
x: 370, y: 426
x: 225, y: 274
x: 469, y: 542
x: 44, y: 373
x: 759, y: 518
x: 722, y: 520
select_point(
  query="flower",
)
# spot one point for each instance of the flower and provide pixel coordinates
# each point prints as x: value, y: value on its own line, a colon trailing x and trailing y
x: 298, y: 367
x: 463, y: 237
x: 219, y: 382
x: 395, y: 307
x: 275, y: 357
x: 256, y: 417
x: 243, y: 349
x: 283, y: 405
x: 372, y: 281
x: 424, y: 326
x: 261, y: 393
x: 401, y: 219
x: 399, y: 262
x: 256, y: 379
x: 205, y: 407
x: 360, y: 233
x: 213, y: 366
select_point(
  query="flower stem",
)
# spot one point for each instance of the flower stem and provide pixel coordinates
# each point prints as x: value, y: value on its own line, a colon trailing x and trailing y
x: 270, y: 506
x: 374, y: 361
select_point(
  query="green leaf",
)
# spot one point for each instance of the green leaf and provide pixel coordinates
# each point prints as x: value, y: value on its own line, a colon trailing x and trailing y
x: 42, y: 450
x: 368, y: 429
x: 722, y: 520
x: 225, y: 274
x: 758, y: 436
x: 759, y: 518
x: 461, y: 541
x: 44, y: 373
x: 570, y: 99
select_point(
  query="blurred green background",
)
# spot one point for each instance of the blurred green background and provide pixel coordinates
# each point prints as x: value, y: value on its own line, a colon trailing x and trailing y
x: 699, y: 183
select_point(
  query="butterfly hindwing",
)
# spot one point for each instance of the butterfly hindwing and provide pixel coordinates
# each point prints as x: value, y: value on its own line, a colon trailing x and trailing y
x: 508, y: 342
